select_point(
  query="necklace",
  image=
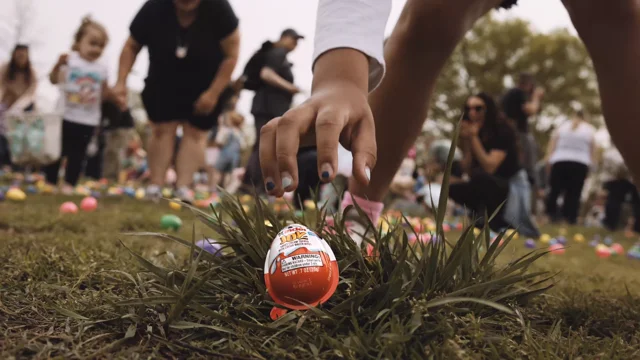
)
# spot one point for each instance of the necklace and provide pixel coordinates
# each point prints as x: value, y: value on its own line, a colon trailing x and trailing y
x: 182, y: 48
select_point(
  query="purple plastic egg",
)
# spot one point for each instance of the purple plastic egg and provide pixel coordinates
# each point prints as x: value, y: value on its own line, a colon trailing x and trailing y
x: 530, y: 243
x: 210, y: 246
x: 561, y: 240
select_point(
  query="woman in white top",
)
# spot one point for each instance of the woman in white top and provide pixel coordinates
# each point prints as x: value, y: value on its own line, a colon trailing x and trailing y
x: 350, y: 62
x: 570, y: 153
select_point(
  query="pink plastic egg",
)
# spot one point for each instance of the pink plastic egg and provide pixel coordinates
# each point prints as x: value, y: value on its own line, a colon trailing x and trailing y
x: 68, y: 208
x: 89, y: 204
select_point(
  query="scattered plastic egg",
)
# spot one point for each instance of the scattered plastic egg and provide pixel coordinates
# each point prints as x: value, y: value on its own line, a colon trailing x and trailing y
x: 175, y: 205
x: 557, y: 249
x: 68, y: 208
x: 210, y: 246
x: 530, y: 243
x: 545, y: 238
x: 617, y: 249
x: 89, y: 204
x: 171, y: 222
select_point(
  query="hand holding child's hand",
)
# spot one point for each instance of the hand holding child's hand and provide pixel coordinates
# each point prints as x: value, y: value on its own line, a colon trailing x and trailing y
x: 120, y: 95
x: 337, y: 112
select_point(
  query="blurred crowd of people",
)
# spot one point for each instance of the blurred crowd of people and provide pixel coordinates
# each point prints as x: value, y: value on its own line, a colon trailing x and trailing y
x: 194, y: 136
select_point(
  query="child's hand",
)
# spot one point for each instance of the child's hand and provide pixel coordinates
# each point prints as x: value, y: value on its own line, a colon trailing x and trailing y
x: 63, y: 60
x: 337, y: 112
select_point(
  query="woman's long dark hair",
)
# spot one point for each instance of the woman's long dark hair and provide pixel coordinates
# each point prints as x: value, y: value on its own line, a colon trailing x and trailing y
x: 495, y: 122
x: 13, y: 69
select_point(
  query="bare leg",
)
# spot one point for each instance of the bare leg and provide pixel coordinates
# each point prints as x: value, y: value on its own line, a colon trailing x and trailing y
x: 425, y: 36
x: 191, y: 154
x: 160, y: 150
x: 611, y: 33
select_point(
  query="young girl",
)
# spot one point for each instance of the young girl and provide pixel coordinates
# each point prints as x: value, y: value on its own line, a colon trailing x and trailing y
x: 84, y: 82
x: 350, y: 62
x: 230, y: 141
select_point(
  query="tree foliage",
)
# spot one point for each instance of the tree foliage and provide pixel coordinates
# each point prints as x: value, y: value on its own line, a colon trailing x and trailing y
x: 492, y: 55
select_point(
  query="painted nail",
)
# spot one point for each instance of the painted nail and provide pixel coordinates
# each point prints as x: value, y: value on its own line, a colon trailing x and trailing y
x: 270, y: 185
x: 326, y: 171
x: 367, y: 173
x: 287, y: 180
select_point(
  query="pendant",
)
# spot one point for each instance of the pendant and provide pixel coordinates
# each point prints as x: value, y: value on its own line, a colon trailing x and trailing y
x: 181, y: 52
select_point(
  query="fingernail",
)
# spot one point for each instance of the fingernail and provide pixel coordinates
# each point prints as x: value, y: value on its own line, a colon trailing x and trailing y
x: 270, y: 184
x: 326, y: 171
x: 367, y: 173
x: 287, y: 180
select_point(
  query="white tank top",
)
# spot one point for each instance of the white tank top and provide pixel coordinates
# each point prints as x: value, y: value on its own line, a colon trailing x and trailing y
x: 574, y: 144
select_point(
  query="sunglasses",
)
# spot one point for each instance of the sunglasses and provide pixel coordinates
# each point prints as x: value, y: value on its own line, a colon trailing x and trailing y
x: 477, y: 108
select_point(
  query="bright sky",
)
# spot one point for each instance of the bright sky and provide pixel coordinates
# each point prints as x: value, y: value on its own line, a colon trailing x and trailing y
x: 51, y: 27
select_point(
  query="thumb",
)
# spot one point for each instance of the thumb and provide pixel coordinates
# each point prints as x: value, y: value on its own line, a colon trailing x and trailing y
x: 364, y: 149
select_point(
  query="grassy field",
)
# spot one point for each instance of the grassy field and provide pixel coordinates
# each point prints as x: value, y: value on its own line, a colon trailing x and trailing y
x: 70, y: 288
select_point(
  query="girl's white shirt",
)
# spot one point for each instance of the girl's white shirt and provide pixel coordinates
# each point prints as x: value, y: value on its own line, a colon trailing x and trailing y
x: 355, y: 24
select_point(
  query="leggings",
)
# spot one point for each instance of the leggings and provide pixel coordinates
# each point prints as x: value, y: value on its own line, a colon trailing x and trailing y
x: 567, y: 177
x: 75, y: 140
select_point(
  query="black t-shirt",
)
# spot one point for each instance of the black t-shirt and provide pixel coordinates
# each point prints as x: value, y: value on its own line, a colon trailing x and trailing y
x: 156, y: 27
x: 270, y: 100
x: 113, y: 118
x: 504, y: 138
x: 512, y: 105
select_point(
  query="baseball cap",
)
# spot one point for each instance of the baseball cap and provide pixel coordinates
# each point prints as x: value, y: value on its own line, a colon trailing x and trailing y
x: 292, y: 33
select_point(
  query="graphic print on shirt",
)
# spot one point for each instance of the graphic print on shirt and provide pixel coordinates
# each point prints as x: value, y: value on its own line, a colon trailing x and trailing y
x: 83, y: 88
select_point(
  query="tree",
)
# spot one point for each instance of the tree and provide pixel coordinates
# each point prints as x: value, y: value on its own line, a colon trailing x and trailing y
x: 494, y: 52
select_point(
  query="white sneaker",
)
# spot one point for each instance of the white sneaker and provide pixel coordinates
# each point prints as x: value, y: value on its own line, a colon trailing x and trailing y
x: 185, y: 194
x: 153, y: 192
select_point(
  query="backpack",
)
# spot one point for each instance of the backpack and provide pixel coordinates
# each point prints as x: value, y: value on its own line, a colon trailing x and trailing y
x: 254, y: 66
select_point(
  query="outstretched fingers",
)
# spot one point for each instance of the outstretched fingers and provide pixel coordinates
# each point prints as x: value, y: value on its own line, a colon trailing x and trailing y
x: 279, y: 143
x: 329, y: 125
x: 364, y: 149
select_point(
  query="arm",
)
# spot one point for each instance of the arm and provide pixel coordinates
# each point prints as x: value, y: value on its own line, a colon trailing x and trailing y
x: 532, y: 107
x: 231, y: 49
x: 490, y: 161
x: 128, y: 56
x: 272, y: 78
x: 551, y: 147
x: 352, y: 26
x: 594, y: 153
x: 466, y: 161
x: 56, y: 74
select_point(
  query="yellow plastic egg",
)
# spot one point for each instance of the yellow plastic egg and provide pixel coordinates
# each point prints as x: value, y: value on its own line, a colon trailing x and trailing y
x: 140, y: 194
x: 16, y: 194
x: 545, y: 238
x: 167, y: 192
x: 175, y: 205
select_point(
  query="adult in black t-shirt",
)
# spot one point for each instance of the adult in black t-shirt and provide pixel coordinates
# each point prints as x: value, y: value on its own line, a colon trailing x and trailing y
x: 490, y: 159
x: 193, y: 48
x: 273, y: 98
x: 518, y: 104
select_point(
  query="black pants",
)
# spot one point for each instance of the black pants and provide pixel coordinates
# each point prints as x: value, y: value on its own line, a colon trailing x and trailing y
x: 567, y: 178
x: 618, y: 192
x: 75, y: 139
x: 253, y: 174
x: 483, y: 192
x: 308, y: 178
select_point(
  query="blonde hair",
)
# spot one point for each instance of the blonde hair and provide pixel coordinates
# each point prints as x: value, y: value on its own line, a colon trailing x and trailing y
x: 88, y: 22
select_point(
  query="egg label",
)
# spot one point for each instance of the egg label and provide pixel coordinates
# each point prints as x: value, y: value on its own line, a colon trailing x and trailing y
x: 299, y: 261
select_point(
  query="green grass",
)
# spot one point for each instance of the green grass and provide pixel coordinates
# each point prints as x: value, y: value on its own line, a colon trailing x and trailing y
x: 70, y: 287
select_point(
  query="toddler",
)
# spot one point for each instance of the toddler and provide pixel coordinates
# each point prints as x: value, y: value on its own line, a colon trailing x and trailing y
x: 83, y: 79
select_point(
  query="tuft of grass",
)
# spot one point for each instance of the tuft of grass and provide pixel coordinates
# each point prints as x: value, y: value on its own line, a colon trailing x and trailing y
x: 402, y: 303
